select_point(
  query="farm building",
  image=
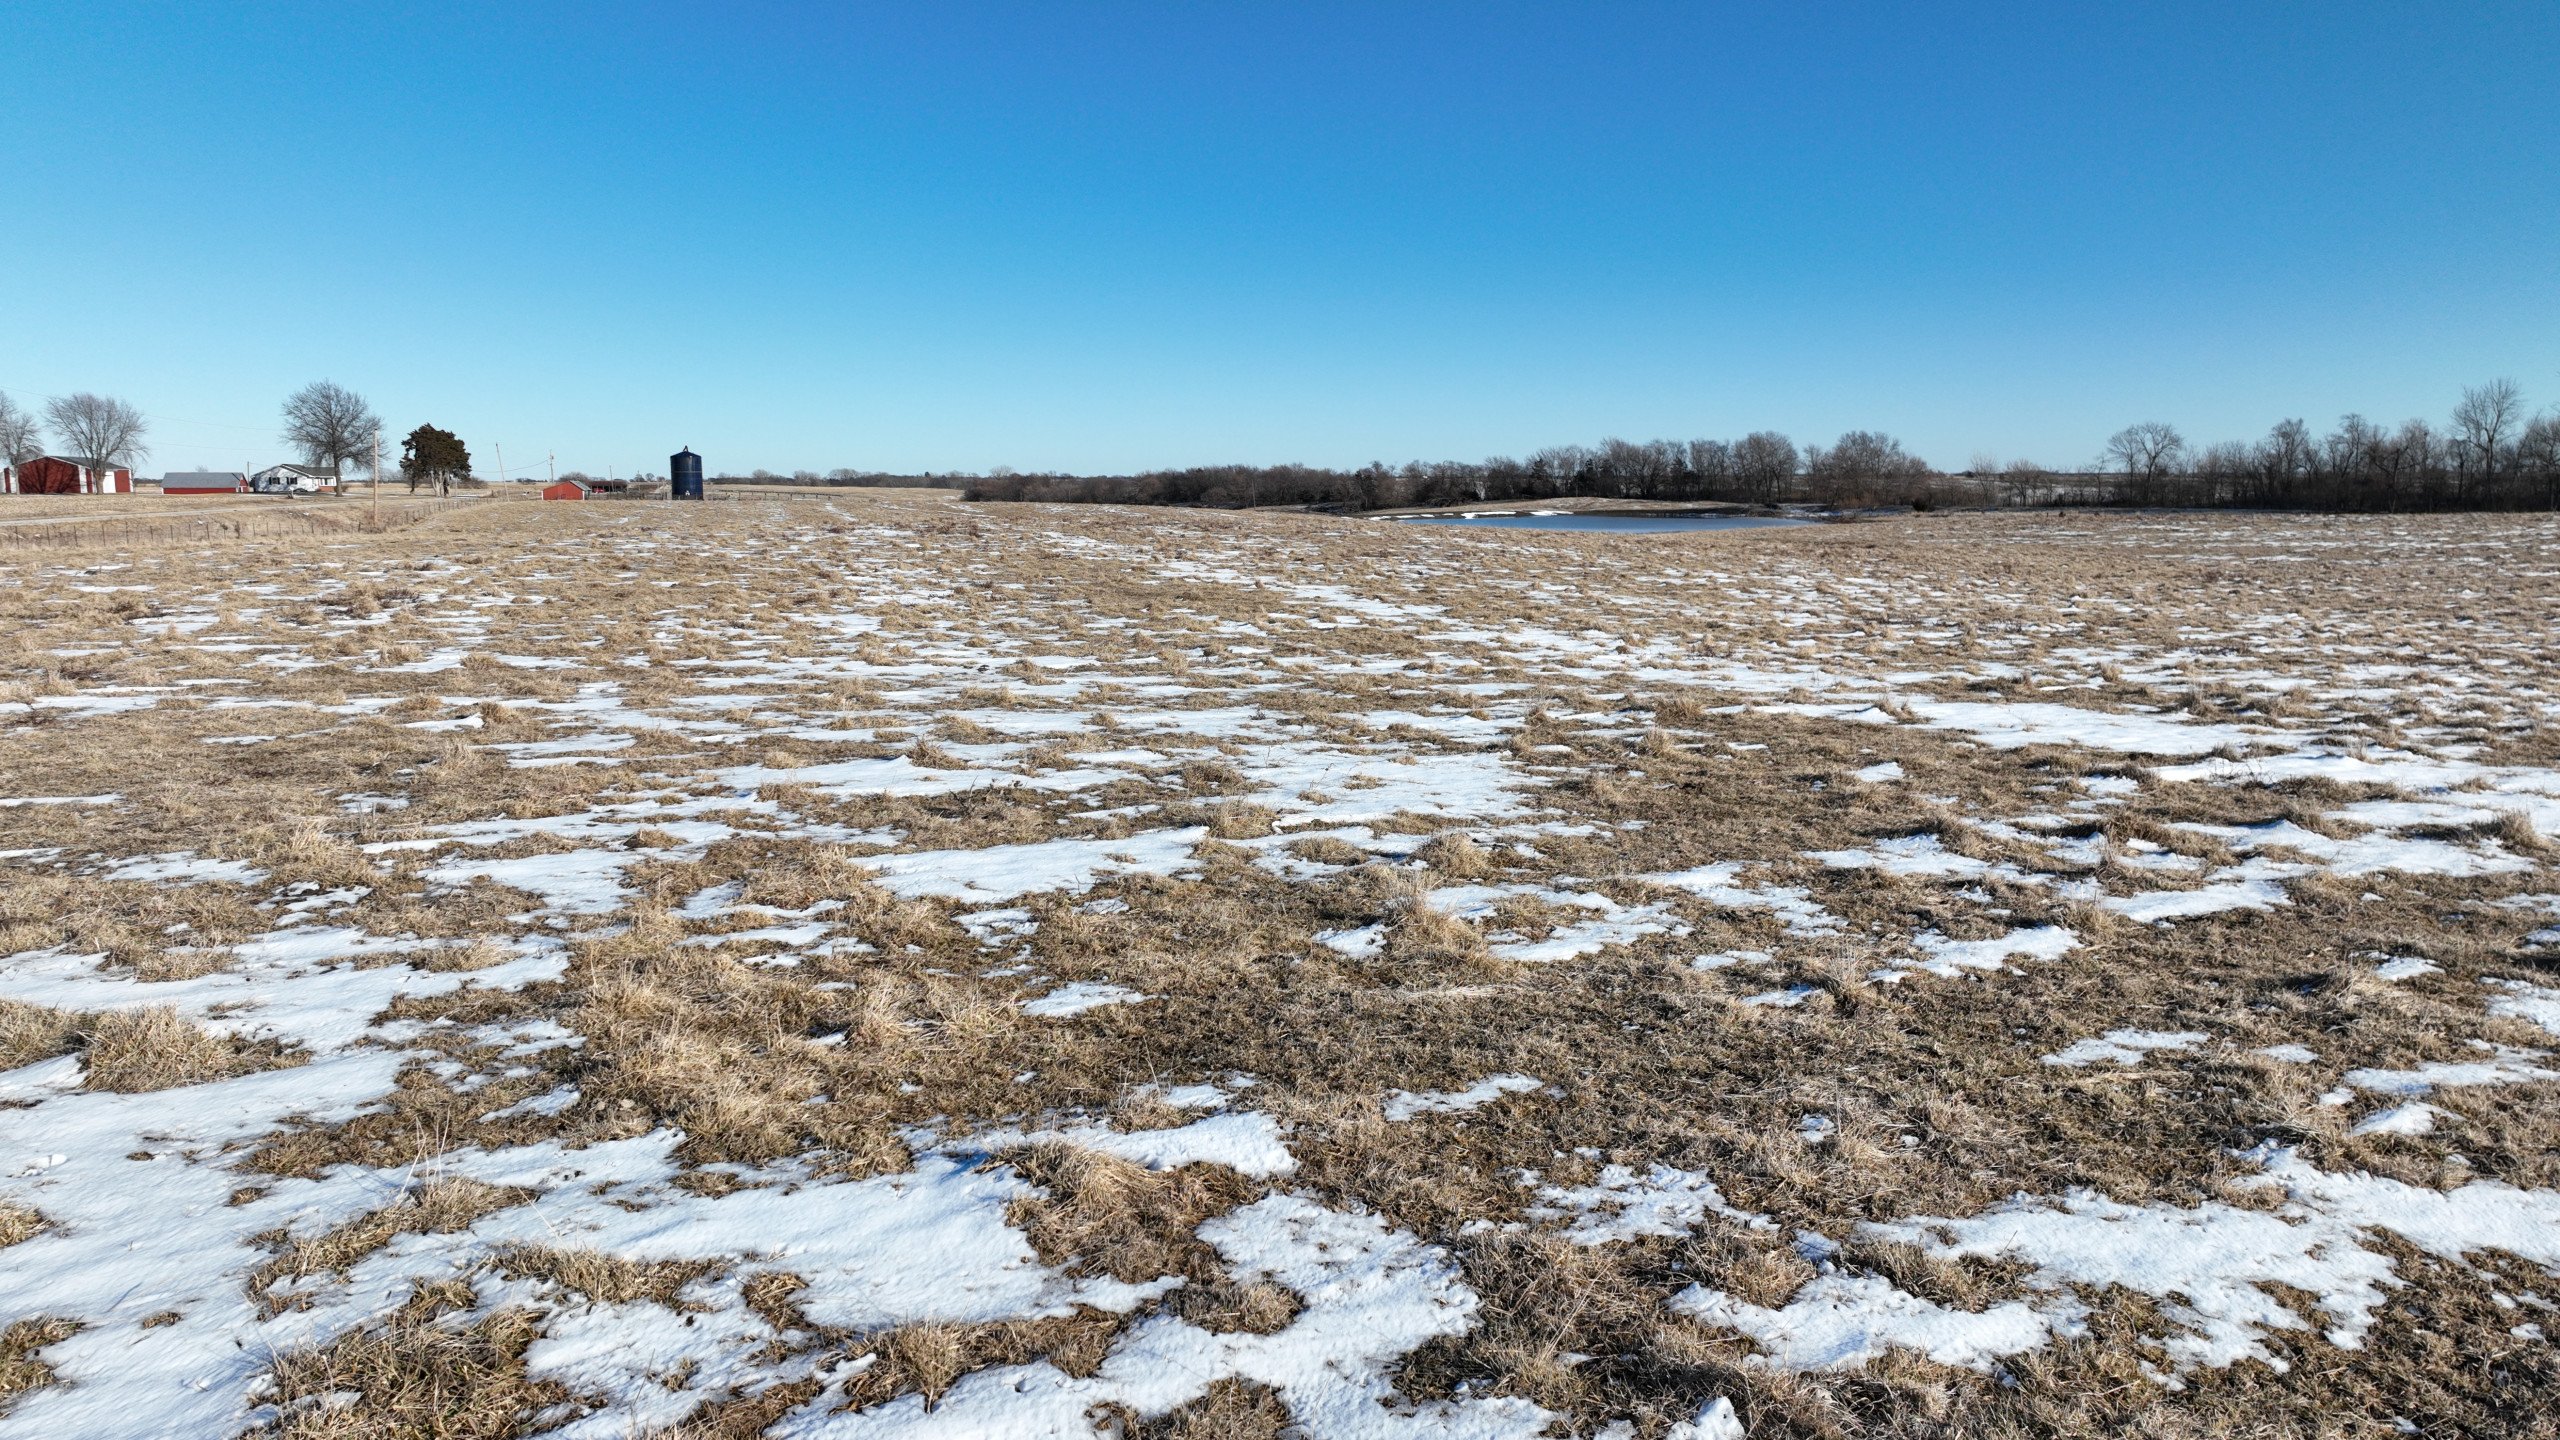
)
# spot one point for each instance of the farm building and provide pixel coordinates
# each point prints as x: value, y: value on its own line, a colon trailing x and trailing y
x: 204, y: 482
x: 294, y: 479
x: 565, y: 490
x: 56, y: 475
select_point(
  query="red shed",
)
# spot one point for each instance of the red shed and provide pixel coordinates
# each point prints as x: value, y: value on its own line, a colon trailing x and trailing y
x: 564, y: 490
x: 54, y: 475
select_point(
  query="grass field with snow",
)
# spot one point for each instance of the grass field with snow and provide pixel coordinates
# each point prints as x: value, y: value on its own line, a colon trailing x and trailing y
x: 866, y: 966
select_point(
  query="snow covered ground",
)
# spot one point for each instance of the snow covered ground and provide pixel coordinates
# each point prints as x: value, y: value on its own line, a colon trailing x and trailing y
x: 868, y: 966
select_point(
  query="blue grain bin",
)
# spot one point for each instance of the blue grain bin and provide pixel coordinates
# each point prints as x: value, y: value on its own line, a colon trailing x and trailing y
x: 684, y: 475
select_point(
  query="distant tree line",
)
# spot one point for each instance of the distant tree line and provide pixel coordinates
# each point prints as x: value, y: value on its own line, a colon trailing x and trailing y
x: 877, y: 478
x: 2489, y: 456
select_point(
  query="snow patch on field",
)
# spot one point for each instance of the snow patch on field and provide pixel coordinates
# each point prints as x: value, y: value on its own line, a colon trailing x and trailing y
x: 1371, y: 1295
x: 1006, y: 872
x: 1626, y: 1204
x: 1715, y: 884
x: 2160, y: 906
x: 1948, y: 959
x: 2210, y: 1266
x: 1402, y: 1105
x: 1076, y: 997
x: 1840, y: 1322
x: 1245, y: 1141
x: 2124, y: 1047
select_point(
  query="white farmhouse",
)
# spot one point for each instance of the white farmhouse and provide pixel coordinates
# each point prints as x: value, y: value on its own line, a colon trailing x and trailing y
x: 294, y: 479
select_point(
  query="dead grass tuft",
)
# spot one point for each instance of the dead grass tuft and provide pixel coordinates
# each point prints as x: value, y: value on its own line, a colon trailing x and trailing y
x: 928, y: 1359
x: 1115, y: 1216
x: 438, y: 1207
x: 17, y: 1223
x: 417, y: 1377
x: 20, y: 1370
x: 1230, y: 1410
x: 605, y: 1279
x: 134, y: 1051
x: 1456, y: 857
x: 29, y: 1033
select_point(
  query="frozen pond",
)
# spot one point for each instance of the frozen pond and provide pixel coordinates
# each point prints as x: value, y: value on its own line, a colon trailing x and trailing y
x: 1614, y: 524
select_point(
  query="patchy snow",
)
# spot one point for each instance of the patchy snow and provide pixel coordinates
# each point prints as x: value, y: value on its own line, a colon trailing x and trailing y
x: 1840, y: 1322
x: 1076, y: 997
x: 1623, y: 1204
x: 2415, y: 1118
x: 1783, y: 999
x: 569, y: 882
x: 2369, y: 853
x: 1245, y: 1141
x: 317, y: 988
x: 1613, y: 924
x: 1007, y: 872
x: 1715, y: 1420
x: 1401, y: 1105
x: 2010, y: 726
x: 2210, y: 1265
x: 2531, y: 1003
x: 2125, y: 1047
x: 1371, y: 1295
x: 186, y: 868
x: 1920, y: 855
x: 2160, y: 906
x: 1715, y: 885
x: 1359, y: 943
x: 1948, y: 959
x: 2510, y: 1066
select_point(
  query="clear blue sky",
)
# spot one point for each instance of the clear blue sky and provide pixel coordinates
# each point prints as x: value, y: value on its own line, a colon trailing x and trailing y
x: 1095, y: 237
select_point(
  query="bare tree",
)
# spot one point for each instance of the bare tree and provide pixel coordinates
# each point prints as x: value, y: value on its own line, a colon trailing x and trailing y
x: 2149, y: 448
x: 100, y: 429
x: 331, y: 425
x: 2148, y: 452
x: 1764, y: 461
x: 2538, y: 451
x: 2484, y: 425
x: 21, y: 439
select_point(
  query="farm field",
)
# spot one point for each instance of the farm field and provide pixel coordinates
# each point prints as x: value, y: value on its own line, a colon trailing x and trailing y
x: 869, y: 966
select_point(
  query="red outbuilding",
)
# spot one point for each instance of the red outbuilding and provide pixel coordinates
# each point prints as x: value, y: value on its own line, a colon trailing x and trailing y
x: 54, y: 475
x: 564, y: 490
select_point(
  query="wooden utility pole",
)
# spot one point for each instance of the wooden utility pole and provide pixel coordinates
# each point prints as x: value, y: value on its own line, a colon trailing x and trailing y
x: 377, y: 479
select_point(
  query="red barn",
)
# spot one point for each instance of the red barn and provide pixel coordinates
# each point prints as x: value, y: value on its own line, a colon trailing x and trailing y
x: 54, y: 475
x: 564, y: 490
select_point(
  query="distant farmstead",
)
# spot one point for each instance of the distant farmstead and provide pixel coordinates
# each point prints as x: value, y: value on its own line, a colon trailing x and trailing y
x: 56, y: 475
x: 204, y: 482
x: 564, y: 490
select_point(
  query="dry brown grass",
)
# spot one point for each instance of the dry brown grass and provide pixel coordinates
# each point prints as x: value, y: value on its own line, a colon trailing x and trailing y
x: 438, y: 1206
x: 29, y: 1033
x: 17, y: 1223
x: 1647, y: 1058
x: 135, y: 1051
x: 20, y: 1370
x: 417, y: 1377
